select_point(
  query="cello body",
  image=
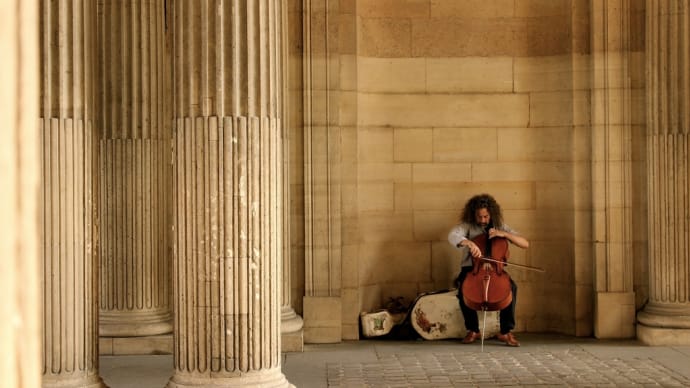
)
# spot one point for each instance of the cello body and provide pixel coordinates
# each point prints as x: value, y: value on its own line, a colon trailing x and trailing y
x: 487, y: 287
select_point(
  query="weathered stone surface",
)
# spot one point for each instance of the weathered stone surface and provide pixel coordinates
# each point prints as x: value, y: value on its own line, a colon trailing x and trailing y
x: 228, y: 195
x: 437, y: 316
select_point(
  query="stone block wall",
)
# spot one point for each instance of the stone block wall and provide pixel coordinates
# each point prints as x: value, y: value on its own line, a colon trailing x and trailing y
x: 442, y: 99
x: 457, y: 98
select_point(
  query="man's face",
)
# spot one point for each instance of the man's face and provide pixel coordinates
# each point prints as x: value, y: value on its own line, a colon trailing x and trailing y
x: 482, y: 217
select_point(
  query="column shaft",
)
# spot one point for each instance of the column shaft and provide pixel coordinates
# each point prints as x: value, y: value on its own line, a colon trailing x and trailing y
x: 290, y: 322
x: 20, y: 328
x: 228, y: 193
x: 322, y: 174
x: 69, y: 194
x: 134, y: 171
x: 612, y: 183
x: 665, y: 320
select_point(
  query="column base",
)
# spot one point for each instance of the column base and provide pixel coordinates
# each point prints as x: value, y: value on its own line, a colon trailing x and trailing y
x: 155, y: 344
x: 660, y: 336
x: 134, y: 323
x: 614, y: 315
x: 664, y: 324
x: 266, y: 378
x: 87, y: 381
x: 291, y: 332
x: 292, y: 342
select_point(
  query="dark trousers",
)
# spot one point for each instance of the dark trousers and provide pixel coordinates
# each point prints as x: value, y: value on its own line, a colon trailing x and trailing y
x: 507, y: 315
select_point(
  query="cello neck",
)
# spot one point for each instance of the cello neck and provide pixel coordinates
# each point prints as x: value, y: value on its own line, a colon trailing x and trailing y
x: 488, y: 241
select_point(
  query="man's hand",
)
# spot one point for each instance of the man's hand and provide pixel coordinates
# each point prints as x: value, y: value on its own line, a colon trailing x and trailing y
x: 496, y: 233
x: 474, y: 249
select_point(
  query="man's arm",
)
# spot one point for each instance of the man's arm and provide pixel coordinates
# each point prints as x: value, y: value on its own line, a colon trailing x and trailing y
x: 457, y: 235
x: 512, y: 237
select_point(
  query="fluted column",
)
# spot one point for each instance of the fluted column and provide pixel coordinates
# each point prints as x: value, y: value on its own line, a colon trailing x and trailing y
x: 614, y: 314
x: 665, y: 319
x: 20, y: 327
x: 291, y: 323
x: 134, y: 171
x: 69, y: 194
x: 322, y: 178
x: 228, y: 193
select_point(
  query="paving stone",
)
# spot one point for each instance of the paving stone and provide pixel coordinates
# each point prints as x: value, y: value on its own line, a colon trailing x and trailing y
x: 543, y: 368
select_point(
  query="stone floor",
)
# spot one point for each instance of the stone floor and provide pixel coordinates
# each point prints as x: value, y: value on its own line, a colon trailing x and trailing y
x: 541, y: 361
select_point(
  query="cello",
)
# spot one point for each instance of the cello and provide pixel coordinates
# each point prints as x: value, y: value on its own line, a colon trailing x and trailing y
x: 487, y: 287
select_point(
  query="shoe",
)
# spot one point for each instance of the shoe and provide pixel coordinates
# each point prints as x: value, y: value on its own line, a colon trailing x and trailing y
x: 470, y: 337
x: 508, y: 338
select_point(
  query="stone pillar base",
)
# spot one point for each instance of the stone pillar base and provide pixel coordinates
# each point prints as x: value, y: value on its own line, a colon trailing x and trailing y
x: 154, y: 344
x: 292, y: 342
x: 664, y: 324
x: 322, y: 320
x: 266, y: 378
x: 660, y: 336
x: 614, y: 315
x: 134, y: 323
x: 79, y: 381
x: 291, y: 332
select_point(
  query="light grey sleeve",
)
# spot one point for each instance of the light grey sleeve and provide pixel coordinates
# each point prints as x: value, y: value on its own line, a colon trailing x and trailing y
x: 457, y: 235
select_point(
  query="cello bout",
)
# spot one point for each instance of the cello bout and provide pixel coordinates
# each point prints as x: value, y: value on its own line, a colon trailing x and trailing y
x: 487, y: 287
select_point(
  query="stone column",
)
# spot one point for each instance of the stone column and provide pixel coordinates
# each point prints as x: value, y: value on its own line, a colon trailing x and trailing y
x: 69, y: 194
x: 614, y: 314
x: 228, y: 193
x: 134, y: 171
x: 292, y: 339
x: 20, y: 327
x: 665, y: 319
x: 322, y: 179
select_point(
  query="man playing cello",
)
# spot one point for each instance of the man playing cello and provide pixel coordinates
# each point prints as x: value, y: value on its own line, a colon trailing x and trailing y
x: 482, y: 212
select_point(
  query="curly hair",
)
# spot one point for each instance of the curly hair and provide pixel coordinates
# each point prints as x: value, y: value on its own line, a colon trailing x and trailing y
x: 482, y: 201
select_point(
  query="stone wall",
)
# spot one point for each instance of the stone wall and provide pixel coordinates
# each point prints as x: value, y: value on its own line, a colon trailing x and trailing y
x: 439, y: 100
